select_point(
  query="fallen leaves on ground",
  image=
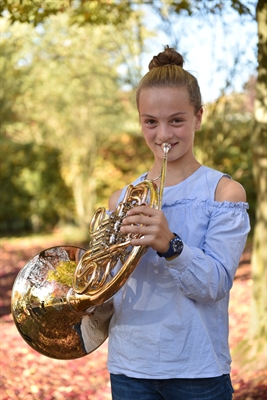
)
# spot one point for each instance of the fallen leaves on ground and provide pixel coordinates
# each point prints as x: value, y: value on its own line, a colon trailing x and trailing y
x: 27, y: 375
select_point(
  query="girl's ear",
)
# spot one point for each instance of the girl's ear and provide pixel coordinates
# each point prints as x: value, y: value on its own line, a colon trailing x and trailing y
x: 199, y: 119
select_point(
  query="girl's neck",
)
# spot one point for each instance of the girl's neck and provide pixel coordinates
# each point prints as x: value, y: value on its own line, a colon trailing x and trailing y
x: 176, y: 172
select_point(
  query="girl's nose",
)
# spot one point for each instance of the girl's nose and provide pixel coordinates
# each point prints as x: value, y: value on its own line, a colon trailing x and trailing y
x: 164, y: 132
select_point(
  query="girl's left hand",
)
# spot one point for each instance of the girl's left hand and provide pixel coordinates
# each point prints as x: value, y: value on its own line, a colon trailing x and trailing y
x: 151, y: 224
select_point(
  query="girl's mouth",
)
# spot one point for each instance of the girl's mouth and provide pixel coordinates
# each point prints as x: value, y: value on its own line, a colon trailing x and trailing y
x: 171, y: 144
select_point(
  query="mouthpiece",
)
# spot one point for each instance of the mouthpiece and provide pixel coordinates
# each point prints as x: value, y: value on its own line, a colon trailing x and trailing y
x: 166, y: 147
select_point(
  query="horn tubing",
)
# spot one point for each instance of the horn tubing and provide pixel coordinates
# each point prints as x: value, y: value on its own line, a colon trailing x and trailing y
x: 165, y: 147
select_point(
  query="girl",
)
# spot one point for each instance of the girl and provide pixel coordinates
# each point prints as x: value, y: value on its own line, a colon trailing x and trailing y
x: 168, y: 337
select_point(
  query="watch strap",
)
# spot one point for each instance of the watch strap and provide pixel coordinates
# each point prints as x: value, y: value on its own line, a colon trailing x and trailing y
x: 175, y: 249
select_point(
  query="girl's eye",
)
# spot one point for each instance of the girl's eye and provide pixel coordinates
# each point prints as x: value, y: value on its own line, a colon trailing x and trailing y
x: 176, y: 121
x: 150, y: 121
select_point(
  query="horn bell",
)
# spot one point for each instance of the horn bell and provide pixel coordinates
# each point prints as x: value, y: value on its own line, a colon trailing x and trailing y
x: 49, y: 316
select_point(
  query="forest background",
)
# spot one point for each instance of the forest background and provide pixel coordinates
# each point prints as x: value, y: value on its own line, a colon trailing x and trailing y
x: 69, y: 126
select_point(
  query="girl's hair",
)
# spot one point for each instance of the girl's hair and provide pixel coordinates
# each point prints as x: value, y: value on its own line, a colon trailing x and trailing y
x: 166, y: 69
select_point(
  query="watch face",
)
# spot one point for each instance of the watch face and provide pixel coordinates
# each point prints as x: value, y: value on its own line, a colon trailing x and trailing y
x: 177, y: 245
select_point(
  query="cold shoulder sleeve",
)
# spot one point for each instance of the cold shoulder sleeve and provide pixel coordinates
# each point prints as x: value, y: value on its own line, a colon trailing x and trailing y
x: 206, y: 273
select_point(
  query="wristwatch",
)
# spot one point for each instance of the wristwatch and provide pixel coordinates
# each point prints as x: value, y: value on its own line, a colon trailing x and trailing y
x: 175, y: 249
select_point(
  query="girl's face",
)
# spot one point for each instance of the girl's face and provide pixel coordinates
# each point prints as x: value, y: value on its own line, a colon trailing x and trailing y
x: 167, y: 116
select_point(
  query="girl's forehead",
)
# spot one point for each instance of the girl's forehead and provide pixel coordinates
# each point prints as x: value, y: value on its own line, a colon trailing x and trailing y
x: 164, y: 91
x: 163, y: 97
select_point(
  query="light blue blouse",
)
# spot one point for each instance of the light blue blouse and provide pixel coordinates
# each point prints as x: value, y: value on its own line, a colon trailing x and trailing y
x: 171, y: 317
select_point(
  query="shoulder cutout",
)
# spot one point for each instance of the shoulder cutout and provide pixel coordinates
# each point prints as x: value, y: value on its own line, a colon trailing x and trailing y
x: 229, y: 190
x: 113, y: 200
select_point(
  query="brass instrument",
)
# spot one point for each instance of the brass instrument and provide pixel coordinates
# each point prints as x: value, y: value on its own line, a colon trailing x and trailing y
x: 62, y: 298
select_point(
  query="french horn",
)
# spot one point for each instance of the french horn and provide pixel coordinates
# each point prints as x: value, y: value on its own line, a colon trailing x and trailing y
x: 62, y: 298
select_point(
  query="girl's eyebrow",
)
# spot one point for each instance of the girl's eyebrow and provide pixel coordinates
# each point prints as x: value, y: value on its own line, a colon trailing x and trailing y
x: 178, y: 113
x: 170, y: 116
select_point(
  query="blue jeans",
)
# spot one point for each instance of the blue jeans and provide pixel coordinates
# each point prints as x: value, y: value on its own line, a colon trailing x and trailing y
x: 125, y: 388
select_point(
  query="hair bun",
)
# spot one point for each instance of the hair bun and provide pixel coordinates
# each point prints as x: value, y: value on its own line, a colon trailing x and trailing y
x: 168, y: 57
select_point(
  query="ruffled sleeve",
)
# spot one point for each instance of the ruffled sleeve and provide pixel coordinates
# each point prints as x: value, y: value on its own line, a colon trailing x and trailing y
x: 206, y: 274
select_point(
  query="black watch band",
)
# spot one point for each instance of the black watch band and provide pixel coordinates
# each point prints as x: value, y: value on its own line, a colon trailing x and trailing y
x: 175, y: 249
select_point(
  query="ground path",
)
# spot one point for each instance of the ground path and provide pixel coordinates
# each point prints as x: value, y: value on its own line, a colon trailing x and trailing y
x: 27, y: 375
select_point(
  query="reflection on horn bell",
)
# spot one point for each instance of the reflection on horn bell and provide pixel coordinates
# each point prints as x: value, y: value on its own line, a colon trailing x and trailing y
x: 46, y: 316
x: 62, y: 298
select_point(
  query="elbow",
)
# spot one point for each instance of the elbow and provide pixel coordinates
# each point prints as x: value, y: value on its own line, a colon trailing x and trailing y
x: 210, y: 293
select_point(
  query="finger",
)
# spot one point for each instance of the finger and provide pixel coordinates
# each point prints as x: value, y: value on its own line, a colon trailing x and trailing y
x: 143, y: 241
x: 139, y: 219
x: 136, y: 228
x: 143, y: 209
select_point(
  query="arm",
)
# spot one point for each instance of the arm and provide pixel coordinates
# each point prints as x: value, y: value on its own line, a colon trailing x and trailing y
x: 204, y: 273
x: 230, y: 190
x: 153, y: 225
x: 113, y: 200
x: 207, y: 274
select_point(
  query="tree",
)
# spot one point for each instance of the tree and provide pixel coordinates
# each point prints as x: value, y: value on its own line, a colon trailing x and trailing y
x: 72, y: 98
x: 94, y: 12
x: 97, y: 12
x: 258, y: 145
x: 27, y: 169
x: 34, y: 196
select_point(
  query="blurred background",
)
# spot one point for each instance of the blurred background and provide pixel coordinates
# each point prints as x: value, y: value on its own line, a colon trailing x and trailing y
x: 69, y: 127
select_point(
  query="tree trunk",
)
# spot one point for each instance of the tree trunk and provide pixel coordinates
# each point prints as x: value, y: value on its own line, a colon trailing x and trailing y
x: 258, y: 142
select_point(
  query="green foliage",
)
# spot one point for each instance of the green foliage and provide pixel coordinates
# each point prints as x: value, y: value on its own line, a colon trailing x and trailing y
x: 11, y: 75
x: 96, y: 12
x: 33, y: 193
x: 120, y: 161
x: 81, y: 11
x: 68, y: 97
x: 101, y: 12
x: 208, y: 7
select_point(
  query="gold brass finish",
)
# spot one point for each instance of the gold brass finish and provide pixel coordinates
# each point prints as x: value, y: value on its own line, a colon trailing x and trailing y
x: 62, y: 298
